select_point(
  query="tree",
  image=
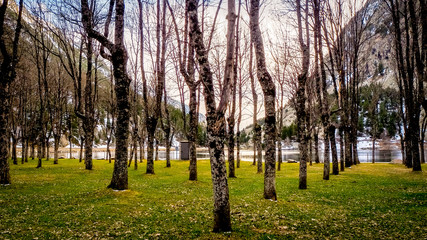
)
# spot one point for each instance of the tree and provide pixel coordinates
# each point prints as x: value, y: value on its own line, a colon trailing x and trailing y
x: 152, y: 111
x: 303, y: 136
x: 7, y: 76
x: 215, y: 115
x: 269, y: 90
x: 411, y: 71
x: 187, y: 70
x: 118, y: 57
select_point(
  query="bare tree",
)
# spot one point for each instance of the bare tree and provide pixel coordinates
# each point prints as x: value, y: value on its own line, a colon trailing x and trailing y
x: 411, y: 69
x: 118, y: 57
x: 7, y: 76
x: 269, y: 90
x: 303, y: 135
x: 215, y: 115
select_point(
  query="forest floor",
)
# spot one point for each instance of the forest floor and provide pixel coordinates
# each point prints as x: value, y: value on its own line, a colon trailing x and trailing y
x: 64, y: 201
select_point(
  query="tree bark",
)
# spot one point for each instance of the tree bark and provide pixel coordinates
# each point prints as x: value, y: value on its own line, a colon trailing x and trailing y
x: 7, y: 76
x: 215, y: 123
x: 269, y: 90
x: 119, y: 59
x: 303, y: 136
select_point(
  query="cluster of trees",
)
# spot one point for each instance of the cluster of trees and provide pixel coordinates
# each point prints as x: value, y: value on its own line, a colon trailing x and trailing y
x: 70, y: 66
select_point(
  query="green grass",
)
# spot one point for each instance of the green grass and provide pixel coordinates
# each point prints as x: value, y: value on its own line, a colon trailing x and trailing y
x: 368, y: 201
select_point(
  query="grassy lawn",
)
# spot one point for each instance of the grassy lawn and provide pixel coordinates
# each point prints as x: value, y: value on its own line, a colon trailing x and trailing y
x: 369, y: 201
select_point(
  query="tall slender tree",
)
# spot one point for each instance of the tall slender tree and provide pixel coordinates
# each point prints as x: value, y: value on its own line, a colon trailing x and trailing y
x: 215, y: 114
x: 7, y: 76
x: 303, y: 135
x: 118, y: 57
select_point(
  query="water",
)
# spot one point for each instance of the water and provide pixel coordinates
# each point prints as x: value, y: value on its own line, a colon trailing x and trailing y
x: 365, y: 155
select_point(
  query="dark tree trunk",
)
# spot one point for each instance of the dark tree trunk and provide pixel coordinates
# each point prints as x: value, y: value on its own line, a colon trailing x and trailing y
x: 150, y: 151
x: 168, y: 151
x: 157, y: 151
x: 135, y: 150
x: 193, y: 128
x: 39, y: 154
x: 373, y: 150
x: 56, y: 148
x: 316, y: 148
x: 14, y: 153
x: 7, y: 76
x: 342, y: 167
x: 326, y: 156
x: 141, y: 149
x: 88, y: 149
x: 32, y: 153
x: 335, y: 167
x: 81, y: 148
x: 279, y: 154
x: 119, y: 59
x: 258, y: 147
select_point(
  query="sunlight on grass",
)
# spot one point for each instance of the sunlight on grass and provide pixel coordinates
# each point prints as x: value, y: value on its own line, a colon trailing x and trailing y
x: 65, y: 201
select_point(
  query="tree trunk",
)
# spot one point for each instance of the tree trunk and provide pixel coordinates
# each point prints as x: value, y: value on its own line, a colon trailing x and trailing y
x: 56, y: 148
x: 119, y: 59
x: 150, y: 152
x: 81, y: 149
x: 4, y: 149
x: 25, y: 150
x: 303, y: 136
x: 39, y: 154
x: 141, y: 150
x: 32, y: 153
x: 168, y: 151
x: 316, y: 148
x: 108, y: 151
x: 215, y: 124
x: 373, y: 150
x: 71, y: 146
x: 14, y: 153
x: 347, y: 149
x: 342, y: 167
x: 238, y: 148
x: 335, y: 168
x: 326, y: 157
x: 258, y: 148
x: 279, y: 154
x: 157, y: 151
x: 88, y: 149
x: 193, y: 130
x: 269, y: 90
x: 7, y: 76
x: 135, y: 147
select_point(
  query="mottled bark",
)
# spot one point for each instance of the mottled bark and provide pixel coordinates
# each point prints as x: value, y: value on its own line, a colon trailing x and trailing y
x: 215, y: 123
x: 119, y: 59
x: 326, y: 156
x: 303, y: 136
x: 256, y: 129
x: 269, y: 90
x: 7, y: 76
x: 258, y: 147
x: 150, y: 150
